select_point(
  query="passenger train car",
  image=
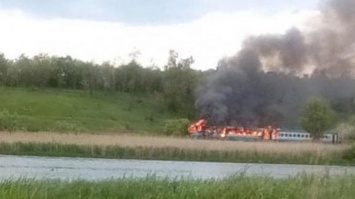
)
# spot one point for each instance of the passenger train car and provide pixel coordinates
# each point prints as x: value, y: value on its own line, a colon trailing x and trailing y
x: 284, y: 136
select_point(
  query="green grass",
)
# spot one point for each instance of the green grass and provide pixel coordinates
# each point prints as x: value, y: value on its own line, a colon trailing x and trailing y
x: 78, y: 111
x: 241, y: 187
x: 172, y: 153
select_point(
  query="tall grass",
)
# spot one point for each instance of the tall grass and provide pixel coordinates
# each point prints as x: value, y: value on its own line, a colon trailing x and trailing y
x: 126, y: 140
x: 300, y: 187
x: 171, y: 153
x: 170, y: 148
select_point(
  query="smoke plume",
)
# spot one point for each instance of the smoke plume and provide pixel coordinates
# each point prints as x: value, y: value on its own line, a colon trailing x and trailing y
x: 272, y: 76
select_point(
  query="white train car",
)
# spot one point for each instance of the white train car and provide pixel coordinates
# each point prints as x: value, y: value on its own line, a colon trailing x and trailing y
x: 289, y: 136
x: 293, y: 136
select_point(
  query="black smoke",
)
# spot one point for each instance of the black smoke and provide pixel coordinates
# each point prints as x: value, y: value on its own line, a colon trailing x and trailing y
x: 271, y: 78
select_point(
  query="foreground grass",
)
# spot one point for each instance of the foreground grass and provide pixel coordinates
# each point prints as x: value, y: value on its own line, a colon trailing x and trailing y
x: 78, y: 111
x: 300, y: 187
x: 175, y: 153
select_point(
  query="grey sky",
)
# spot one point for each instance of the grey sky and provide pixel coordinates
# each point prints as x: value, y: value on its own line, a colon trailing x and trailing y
x: 208, y: 30
x: 148, y: 11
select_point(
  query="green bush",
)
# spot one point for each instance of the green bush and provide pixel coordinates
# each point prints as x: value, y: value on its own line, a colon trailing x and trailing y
x: 9, y: 122
x: 349, y: 154
x: 176, y: 127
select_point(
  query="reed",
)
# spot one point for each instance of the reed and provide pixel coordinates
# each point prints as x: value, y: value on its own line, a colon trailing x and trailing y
x: 131, y: 141
x: 258, y: 187
x: 172, y: 153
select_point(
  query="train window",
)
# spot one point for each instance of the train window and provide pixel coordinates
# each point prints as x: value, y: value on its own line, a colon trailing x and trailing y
x: 298, y: 135
x: 281, y: 134
x: 302, y: 135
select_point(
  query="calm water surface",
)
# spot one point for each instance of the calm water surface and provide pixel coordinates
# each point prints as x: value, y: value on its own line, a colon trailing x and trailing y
x: 97, y: 169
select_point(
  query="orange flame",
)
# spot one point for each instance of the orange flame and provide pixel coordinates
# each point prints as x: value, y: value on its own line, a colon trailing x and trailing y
x: 197, y: 127
x: 268, y: 133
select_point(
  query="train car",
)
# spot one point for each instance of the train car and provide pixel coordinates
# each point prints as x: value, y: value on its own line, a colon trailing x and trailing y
x: 290, y: 136
x: 331, y: 138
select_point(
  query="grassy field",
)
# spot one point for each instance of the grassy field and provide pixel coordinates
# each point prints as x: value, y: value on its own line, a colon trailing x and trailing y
x: 77, y: 111
x: 168, y: 148
x: 300, y: 187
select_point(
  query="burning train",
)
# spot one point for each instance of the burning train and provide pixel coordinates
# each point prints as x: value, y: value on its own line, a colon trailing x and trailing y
x: 200, y: 129
x: 272, y: 76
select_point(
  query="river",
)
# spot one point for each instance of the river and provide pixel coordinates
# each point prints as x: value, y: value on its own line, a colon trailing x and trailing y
x: 14, y: 167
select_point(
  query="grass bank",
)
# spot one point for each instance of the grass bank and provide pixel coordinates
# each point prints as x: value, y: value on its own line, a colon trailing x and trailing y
x: 78, y: 111
x: 300, y: 187
x: 174, y: 153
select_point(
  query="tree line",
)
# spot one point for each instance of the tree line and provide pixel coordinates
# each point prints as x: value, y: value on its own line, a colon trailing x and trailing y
x: 175, y: 82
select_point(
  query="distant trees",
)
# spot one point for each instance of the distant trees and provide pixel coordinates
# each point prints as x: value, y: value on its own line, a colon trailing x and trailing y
x: 317, y: 117
x: 66, y: 72
x: 175, y: 83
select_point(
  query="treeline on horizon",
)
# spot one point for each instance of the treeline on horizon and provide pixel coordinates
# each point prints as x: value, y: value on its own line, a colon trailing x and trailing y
x: 175, y: 84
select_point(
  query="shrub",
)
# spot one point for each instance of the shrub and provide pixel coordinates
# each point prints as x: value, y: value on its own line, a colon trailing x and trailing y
x: 9, y: 122
x: 176, y: 127
x: 349, y: 154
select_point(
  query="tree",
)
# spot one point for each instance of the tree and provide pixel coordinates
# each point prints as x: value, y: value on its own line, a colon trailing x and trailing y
x: 317, y: 117
x: 179, y: 83
x: 3, y: 68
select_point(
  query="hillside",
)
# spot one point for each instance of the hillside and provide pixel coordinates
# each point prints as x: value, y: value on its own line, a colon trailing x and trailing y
x: 78, y: 111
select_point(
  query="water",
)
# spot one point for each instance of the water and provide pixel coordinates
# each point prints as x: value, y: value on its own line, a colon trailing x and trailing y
x: 13, y: 167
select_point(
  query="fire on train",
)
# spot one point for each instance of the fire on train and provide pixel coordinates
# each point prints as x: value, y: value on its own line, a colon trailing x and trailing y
x: 201, y: 130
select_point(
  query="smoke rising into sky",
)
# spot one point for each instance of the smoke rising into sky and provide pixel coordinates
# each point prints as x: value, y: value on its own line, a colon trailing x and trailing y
x: 271, y: 77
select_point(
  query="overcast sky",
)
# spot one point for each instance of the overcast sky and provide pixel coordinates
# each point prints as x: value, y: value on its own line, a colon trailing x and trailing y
x: 108, y: 30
